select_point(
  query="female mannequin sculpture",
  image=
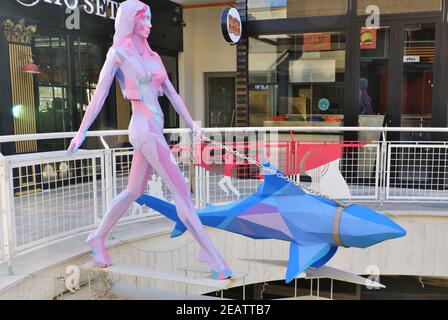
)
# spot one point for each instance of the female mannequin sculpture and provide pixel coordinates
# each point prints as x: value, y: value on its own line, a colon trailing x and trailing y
x: 143, y: 79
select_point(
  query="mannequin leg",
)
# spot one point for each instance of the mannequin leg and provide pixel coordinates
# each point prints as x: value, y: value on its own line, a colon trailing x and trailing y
x: 159, y: 156
x: 138, y: 178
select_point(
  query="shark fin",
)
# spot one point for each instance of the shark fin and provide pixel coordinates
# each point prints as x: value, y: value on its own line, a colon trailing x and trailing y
x: 302, y: 257
x: 273, y: 183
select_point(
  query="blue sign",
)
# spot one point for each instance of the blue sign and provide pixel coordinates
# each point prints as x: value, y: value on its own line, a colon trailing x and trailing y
x: 324, y: 104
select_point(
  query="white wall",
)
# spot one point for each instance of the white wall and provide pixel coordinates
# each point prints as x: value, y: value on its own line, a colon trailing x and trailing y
x: 423, y: 252
x: 205, y: 50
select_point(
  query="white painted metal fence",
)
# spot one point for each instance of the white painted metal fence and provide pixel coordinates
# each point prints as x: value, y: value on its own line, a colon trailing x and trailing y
x: 49, y: 196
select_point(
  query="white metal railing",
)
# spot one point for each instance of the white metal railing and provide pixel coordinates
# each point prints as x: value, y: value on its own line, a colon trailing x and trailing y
x: 49, y: 196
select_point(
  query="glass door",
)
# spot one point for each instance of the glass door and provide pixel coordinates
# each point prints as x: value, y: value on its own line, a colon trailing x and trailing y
x: 171, y: 116
x: 220, y: 100
x: 418, y: 71
x: 53, y: 113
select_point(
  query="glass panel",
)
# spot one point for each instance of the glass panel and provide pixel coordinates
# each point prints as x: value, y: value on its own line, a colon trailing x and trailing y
x: 297, y: 78
x: 419, y: 57
x: 400, y: 6
x: 221, y: 101
x: 42, y: 52
x: 373, y: 84
x: 53, y: 114
x: 171, y: 116
x: 88, y: 66
x: 59, y: 61
x: 280, y: 9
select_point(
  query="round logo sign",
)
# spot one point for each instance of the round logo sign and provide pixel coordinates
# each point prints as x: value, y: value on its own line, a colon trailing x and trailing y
x: 28, y: 3
x: 231, y: 25
x: 324, y: 104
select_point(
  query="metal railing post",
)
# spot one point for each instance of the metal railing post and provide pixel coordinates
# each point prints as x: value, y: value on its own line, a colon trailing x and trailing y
x: 6, y: 202
x: 108, y: 168
x: 383, y: 160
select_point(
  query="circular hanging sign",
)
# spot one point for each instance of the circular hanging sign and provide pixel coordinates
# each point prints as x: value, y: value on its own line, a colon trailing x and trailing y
x: 231, y: 25
x: 324, y: 104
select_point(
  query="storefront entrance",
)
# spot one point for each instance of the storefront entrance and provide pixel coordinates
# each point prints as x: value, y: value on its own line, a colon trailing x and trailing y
x: 220, y: 99
x: 324, y: 67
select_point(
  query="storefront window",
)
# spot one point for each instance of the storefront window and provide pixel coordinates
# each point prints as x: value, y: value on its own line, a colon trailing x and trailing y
x: 419, y: 57
x: 374, y: 74
x: 280, y: 9
x: 53, y: 112
x: 297, y: 79
x: 170, y: 114
x: 88, y: 64
x: 220, y: 99
x: 400, y: 6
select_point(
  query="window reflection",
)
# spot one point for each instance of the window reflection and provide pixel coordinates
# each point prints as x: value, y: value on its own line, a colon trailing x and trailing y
x: 418, y: 65
x: 374, y: 74
x: 400, y: 6
x: 280, y: 9
x: 297, y: 78
x: 53, y: 112
x: 87, y: 66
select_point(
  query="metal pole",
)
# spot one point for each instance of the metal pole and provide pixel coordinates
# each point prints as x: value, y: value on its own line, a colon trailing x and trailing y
x: 311, y: 293
x: 318, y: 286
x: 331, y: 290
x: 244, y: 288
x: 6, y: 202
x: 295, y: 288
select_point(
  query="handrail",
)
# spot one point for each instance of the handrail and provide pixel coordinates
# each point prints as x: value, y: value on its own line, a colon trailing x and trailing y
x: 106, y: 133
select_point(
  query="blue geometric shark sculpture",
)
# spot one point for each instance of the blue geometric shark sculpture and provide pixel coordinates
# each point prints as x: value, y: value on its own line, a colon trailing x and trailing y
x: 314, y: 225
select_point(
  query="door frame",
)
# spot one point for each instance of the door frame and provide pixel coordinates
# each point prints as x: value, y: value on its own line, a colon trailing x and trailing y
x: 396, y: 68
x: 207, y: 76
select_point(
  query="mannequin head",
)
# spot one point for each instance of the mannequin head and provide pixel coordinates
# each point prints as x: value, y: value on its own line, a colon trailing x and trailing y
x: 142, y: 27
x: 133, y: 20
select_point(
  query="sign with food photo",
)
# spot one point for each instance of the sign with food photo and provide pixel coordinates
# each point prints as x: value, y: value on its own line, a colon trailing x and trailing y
x: 368, y: 38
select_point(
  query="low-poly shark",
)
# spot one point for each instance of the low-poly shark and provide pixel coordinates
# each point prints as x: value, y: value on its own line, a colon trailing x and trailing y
x: 314, y: 225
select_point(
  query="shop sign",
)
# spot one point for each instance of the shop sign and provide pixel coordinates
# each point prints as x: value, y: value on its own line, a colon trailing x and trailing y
x: 231, y: 25
x: 316, y: 41
x: 368, y: 38
x: 324, y: 104
x: 97, y: 7
x: 261, y: 87
x: 411, y: 59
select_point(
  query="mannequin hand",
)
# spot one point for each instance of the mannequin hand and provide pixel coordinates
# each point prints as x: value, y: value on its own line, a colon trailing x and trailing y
x: 76, y: 143
x: 197, y: 132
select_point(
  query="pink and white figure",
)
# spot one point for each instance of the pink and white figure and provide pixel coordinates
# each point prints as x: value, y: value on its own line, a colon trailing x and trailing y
x: 143, y: 78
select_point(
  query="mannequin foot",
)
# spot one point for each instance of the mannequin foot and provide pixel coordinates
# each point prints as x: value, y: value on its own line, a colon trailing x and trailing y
x: 101, y: 258
x: 221, y: 275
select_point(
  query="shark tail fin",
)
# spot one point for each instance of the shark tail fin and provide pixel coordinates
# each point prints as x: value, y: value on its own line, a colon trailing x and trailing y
x: 303, y: 257
x: 165, y: 208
